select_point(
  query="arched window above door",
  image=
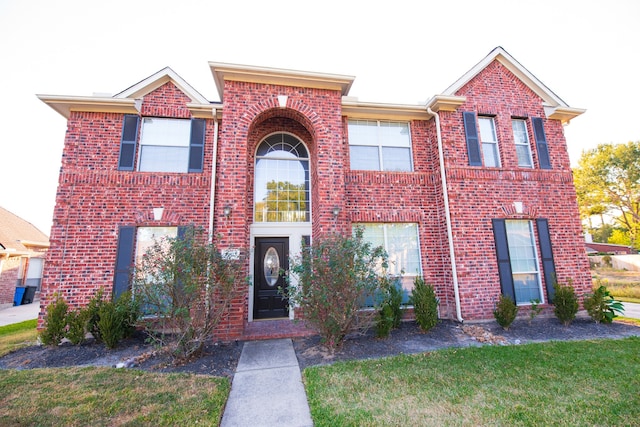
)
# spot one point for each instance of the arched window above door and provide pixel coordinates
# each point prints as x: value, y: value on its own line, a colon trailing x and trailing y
x: 281, y: 190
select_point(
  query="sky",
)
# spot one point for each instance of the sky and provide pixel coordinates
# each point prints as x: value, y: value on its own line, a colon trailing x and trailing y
x: 400, y: 51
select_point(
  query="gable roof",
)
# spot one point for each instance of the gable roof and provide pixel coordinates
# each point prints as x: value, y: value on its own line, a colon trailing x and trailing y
x: 18, y: 235
x: 158, y: 79
x: 555, y: 107
x: 129, y: 100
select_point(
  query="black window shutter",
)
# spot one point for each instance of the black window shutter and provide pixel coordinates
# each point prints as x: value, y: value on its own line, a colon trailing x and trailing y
x: 196, y: 145
x: 124, y: 259
x: 128, y: 142
x: 541, y: 143
x: 473, y: 143
x: 504, y: 261
x: 548, y: 266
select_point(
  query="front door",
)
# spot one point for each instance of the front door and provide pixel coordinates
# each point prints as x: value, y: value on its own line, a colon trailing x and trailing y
x: 271, y: 260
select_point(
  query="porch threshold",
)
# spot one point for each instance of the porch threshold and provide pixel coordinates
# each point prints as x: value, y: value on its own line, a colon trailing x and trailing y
x: 275, y: 328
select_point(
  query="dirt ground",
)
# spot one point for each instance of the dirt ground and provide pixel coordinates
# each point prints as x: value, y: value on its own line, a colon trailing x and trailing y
x: 220, y: 359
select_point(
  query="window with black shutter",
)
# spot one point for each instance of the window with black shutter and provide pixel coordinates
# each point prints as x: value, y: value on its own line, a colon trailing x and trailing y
x: 541, y: 143
x: 473, y: 143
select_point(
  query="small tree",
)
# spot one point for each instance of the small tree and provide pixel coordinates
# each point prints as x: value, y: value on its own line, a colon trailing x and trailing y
x: 425, y: 304
x: 186, y: 285
x: 566, y: 303
x: 331, y: 281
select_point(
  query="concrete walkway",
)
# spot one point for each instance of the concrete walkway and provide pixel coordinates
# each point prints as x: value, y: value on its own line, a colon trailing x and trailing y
x: 267, y: 388
x: 631, y: 310
x: 20, y: 313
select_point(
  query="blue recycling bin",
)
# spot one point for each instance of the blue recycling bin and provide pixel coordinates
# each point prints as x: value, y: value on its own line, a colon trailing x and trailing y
x: 17, y: 297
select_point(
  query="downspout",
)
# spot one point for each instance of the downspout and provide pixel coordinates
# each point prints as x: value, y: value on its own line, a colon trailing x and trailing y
x: 212, y: 197
x: 213, y: 175
x: 447, y: 213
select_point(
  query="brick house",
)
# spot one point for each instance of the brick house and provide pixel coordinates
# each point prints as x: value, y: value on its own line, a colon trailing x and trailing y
x: 23, y: 248
x: 473, y: 190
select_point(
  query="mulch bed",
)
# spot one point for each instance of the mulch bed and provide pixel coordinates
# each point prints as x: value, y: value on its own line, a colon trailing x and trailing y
x: 220, y: 359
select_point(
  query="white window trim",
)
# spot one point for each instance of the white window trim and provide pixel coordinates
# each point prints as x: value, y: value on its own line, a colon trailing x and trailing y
x: 539, y: 272
x: 523, y: 144
x: 493, y: 142
x: 183, y: 142
x: 379, y: 144
x: 307, y: 159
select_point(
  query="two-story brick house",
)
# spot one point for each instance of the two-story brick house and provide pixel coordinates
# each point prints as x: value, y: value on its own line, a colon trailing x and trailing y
x: 473, y: 190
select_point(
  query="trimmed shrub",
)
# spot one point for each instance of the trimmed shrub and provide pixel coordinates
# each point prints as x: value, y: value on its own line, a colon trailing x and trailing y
x: 425, y: 304
x: 390, y: 312
x: 566, y: 303
x: 76, y: 326
x: 93, y: 314
x: 111, y: 324
x: 505, y: 312
x: 55, y: 321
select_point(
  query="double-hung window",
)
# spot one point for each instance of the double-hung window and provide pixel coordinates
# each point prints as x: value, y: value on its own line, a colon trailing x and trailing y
x: 489, y: 141
x: 400, y: 241
x: 482, y: 147
x: 380, y: 145
x: 521, y: 140
x: 519, y: 261
x: 164, y: 144
x: 524, y: 261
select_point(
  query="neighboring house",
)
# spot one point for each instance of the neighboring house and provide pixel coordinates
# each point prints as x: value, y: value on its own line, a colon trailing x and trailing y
x: 22, y: 252
x: 473, y: 190
x: 609, y: 248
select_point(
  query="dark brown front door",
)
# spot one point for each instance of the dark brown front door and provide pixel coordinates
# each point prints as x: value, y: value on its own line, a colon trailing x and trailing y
x: 271, y: 259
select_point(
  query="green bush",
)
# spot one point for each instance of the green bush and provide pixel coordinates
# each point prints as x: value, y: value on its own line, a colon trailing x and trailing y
x: 187, y: 285
x: 93, y: 314
x: 76, y: 326
x: 425, y: 304
x: 390, y: 312
x: 534, y: 310
x: 55, y: 321
x: 601, y: 306
x: 565, y: 302
x: 111, y: 324
x: 505, y: 312
x: 331, y: 281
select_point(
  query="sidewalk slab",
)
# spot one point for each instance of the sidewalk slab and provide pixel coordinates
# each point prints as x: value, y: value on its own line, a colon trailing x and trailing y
x: 267, y: 388
x: 19, y: 313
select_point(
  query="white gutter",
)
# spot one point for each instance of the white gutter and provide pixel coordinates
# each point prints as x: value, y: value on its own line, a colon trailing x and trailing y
x: 447, y: 213
x: 213, y: 174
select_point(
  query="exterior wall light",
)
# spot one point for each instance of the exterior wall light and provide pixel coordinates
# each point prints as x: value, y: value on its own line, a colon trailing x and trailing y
x: 226, y: 211
x: 336, y: 211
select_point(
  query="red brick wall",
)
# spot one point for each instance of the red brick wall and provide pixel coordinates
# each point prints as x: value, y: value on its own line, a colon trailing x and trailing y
x: 478, y: 195
x: 8, y: 279
x: 251, y: 112
x: 94, y: 199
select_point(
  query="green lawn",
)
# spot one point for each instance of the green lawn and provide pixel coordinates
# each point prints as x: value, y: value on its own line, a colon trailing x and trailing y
x: 103, y: 396
x: 109, y: 397
x: 17, y: 335
x: 558, y: 383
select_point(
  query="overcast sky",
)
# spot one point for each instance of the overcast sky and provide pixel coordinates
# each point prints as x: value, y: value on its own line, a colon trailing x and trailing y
x: 585, y: 51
